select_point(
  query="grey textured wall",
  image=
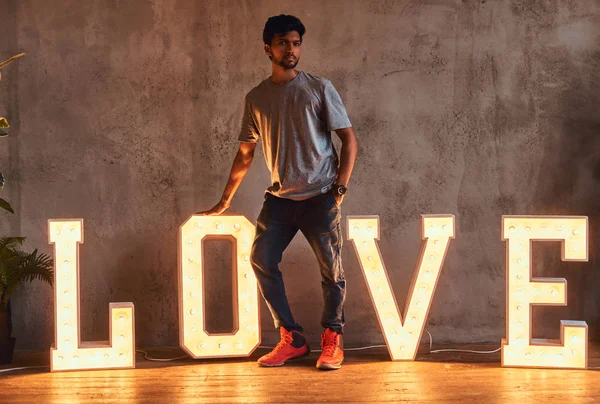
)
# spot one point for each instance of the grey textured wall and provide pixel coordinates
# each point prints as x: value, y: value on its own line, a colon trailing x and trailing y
x: 126, y: 114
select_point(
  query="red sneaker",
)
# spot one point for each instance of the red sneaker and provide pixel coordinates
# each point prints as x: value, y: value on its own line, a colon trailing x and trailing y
x: 284, y: 351
x: 332, y: 355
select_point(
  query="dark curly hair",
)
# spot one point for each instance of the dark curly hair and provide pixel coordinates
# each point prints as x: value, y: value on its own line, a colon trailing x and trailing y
x: 281, y: 24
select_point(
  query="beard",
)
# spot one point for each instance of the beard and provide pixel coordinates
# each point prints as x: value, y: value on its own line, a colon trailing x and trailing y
x: 287, y: 64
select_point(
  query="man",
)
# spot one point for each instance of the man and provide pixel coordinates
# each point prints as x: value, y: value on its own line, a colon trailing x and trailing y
x: 293, y: 113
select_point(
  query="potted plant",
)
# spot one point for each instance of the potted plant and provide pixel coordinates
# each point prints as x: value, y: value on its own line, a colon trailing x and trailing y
x: 16, y: 266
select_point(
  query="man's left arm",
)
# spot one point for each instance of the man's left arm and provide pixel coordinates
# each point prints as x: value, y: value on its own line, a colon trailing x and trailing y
x: 347, y: 157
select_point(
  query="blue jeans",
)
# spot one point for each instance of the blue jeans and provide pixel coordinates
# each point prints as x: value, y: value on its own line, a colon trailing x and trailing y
x: 318, y: 218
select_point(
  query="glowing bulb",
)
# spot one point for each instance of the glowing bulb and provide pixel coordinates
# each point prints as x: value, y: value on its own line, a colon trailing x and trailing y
x: 246, y: 258
x: 121, y: 337
x: 191, y: 259
x: 192, y: 312
x: 218, y: 226
x: 190, y: 241
x: 122, y: 319
x: 246, y: 275
x: 511, y: 229
x: 431, y: 257
x: 527, y: 228
x: 519, y: 276
x: 122, y: 356
x: 436, y: 242
x: 528, y: 355
x: 519, y: 308
x: 370, y: 258
x: 106, y: 356
x: 237, y: 226
x: 575, y: 232
x: 519, y: 261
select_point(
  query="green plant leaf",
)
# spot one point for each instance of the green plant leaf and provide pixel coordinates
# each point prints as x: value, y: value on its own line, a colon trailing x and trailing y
x: 6, y: 206
x: 17, y: 266
x: 4, y: 123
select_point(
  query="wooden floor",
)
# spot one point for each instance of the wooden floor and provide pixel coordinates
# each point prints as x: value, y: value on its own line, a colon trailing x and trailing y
x: 367, y: 376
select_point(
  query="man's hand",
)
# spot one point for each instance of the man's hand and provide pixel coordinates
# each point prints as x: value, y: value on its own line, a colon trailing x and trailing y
x: 215, y: 210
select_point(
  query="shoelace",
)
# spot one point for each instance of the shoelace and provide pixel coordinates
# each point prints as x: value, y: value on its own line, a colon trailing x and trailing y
x: 329, y: 345
x: 283, y: 342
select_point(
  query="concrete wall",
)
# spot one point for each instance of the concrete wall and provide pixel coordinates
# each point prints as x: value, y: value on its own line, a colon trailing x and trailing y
x: 126, y: 114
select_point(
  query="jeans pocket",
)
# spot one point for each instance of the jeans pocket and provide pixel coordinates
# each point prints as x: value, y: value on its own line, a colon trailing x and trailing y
x: 331, y: 199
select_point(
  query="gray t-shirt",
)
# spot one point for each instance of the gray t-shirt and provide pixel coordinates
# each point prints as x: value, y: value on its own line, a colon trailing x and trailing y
x: 294, y: 122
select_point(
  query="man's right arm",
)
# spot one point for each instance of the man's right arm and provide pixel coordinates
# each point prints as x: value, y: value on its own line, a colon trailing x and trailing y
x: 241, y: 164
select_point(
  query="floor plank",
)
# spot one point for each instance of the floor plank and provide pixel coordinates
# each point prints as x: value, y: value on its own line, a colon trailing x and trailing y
x: 367, y: 376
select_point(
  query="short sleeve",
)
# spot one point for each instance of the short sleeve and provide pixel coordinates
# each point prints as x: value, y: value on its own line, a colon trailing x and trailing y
x: 335, y: 112
x: 249, y: 130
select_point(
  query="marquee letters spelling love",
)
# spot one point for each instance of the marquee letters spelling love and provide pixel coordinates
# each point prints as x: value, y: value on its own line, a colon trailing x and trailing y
x: 402, y: 333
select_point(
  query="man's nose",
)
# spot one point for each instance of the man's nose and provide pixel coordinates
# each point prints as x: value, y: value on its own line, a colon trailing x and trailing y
x: 289, y: 47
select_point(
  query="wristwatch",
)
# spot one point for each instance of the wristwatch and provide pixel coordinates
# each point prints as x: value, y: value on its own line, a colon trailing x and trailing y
x: 339, y: 189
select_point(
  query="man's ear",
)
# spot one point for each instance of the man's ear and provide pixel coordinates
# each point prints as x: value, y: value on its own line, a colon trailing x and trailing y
x: 268, y: 51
